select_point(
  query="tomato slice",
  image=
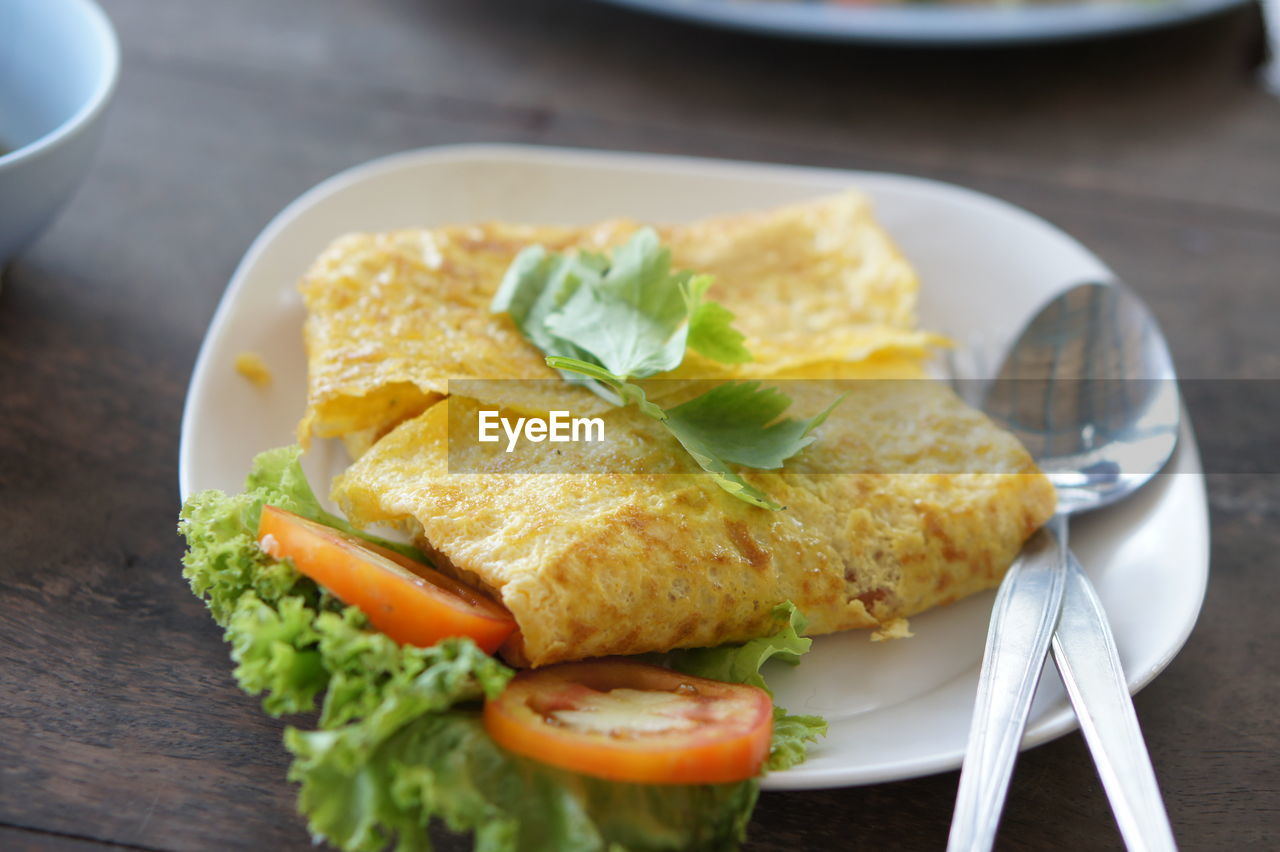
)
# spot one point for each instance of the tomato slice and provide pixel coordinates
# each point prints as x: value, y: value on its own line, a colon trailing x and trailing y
x: 406, y: 600
x: 628, y: 721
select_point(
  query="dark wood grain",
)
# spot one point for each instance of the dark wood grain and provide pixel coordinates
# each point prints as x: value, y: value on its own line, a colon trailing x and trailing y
x: 118, y: 719
x: 29, y: 840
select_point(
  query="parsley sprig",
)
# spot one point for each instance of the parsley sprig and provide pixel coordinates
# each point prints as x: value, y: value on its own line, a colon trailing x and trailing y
x: 605, y: 322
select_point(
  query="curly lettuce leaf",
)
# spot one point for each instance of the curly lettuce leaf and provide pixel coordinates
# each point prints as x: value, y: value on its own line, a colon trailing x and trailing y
x: 791, y: 737
x: 382, y: 778
x: 277, y: 478
x: 274, y: 650
x: 360, y: 793
x: 290, y: 640
x: 223, y: 560
x: 400, y: 741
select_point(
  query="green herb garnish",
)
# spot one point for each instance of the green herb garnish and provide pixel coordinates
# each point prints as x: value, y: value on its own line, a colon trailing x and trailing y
x: 605, y: 322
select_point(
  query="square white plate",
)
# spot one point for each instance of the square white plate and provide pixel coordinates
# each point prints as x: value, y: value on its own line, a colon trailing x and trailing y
x: 897, y: 709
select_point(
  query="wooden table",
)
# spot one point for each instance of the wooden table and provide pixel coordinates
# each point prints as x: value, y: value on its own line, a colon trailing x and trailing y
x: 119, y: 723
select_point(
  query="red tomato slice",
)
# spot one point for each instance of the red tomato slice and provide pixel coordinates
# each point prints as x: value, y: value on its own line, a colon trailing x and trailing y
x: 406, y: 600
x: 627, y: 721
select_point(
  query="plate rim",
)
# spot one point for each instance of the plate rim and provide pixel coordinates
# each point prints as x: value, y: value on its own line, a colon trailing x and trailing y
x: 941, y: 26
x: 1045, y: 729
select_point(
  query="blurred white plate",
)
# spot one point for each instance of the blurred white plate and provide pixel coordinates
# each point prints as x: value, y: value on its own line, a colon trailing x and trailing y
x: 897, y: 709
x: 935, y: 22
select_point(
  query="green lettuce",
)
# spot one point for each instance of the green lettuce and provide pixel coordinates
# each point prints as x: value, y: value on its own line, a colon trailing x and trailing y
x: 741, y: 664
x: 223, y: 560
x: 400, y: 741
x: 359, y: 791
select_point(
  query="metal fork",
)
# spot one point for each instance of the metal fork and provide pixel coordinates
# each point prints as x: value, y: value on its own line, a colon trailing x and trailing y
x: 1066, y: 442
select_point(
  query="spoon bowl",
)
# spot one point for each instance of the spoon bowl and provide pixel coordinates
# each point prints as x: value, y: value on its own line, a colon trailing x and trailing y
x: 1090, y: 389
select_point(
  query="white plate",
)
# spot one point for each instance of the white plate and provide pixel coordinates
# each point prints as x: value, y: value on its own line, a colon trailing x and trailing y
x: 898, y: 709
x: 935, y: 23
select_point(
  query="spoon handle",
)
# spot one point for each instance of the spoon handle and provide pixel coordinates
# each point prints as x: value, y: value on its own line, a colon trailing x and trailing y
x: 1022, y: 622
x: 1085, y: 653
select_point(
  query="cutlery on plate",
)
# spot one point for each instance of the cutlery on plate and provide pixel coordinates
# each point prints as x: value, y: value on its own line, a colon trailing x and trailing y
x: 1089, y: 388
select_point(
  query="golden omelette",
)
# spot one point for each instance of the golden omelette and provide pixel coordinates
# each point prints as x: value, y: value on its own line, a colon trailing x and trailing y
x: 886, y: 513
x: 392, y: 317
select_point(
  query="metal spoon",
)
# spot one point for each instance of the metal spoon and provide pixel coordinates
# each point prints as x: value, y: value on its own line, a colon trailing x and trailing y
x: 1089, y: 388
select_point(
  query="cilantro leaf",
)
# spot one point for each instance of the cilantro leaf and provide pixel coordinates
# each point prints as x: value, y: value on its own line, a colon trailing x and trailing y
x: 737, y: 422
x: 730, y: 480
x: 711, y: 331
x: 728, y: 424
x: 630, y: 314
x: 635, y: 318
x: 604, y: 322
x: 537, y: 284
x: 609, y: 386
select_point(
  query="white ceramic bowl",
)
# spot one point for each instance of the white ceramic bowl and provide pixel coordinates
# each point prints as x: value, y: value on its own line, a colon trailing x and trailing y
x: 59, y: 60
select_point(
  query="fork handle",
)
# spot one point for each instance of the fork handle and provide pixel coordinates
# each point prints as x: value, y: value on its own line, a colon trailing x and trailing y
x: 1022, y: 622
x: 1085, y: 653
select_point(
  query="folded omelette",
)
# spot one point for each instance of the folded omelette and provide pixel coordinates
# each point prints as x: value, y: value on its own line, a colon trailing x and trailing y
x: 906, y: 500
x: 392, y: 317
